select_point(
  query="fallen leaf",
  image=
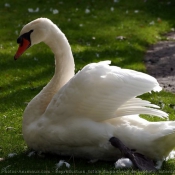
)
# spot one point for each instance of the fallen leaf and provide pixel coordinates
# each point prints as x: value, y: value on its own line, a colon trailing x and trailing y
x: 31, y: 10
x: 112, y: 9
x: 55, y: 11
x: 159, y: 20
x: 9, y: 128
x: 120, y: 37
x: 87, y: 11
x: 97, y: 55
x: 1, y: 159
x: 32, y: 153
x: 7, y: 5
x: 10, y: 155
x: 152, y: 23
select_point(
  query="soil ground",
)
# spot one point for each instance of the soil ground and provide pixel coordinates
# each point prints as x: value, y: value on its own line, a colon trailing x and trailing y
x: 160, y: 62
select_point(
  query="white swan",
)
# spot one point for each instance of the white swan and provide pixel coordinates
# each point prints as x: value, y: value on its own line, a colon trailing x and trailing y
x: 78, y: 114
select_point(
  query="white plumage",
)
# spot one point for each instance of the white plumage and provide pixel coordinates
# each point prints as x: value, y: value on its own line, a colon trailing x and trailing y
x: 123, y: 163
x: 78, y: 114
x: 60, y: 164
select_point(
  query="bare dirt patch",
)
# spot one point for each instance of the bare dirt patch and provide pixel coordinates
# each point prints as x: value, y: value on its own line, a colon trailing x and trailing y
x: 160, y: 62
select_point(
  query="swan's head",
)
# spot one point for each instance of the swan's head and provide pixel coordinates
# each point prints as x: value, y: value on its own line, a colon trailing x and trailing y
x: 33, y: 33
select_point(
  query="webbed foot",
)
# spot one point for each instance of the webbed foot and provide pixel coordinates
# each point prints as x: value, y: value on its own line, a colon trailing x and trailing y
x: 139, y: 160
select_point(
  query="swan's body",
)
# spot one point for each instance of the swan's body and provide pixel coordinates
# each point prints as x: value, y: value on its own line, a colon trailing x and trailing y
x: 78, y: 114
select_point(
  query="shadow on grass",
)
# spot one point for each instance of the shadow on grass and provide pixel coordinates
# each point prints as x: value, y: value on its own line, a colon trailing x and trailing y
x: 48, y: 163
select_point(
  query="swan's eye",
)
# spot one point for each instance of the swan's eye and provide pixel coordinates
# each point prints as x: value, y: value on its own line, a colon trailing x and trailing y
x: 19, y: 40
x: 26, y: 36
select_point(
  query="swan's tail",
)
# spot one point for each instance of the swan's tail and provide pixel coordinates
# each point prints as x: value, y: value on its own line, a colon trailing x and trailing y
x: 166, y: 140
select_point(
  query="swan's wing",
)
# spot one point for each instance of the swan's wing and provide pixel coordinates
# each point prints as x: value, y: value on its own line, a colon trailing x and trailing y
x: 101, y: 92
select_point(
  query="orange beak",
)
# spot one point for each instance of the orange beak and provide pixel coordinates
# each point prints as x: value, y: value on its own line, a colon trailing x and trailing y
x: 25, y: 44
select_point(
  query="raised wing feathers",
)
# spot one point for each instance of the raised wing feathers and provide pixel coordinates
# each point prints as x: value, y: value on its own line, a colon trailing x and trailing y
x: 100, y: 92
x: 139, y: 106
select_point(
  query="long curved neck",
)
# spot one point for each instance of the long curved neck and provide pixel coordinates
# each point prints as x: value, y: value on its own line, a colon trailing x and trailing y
x: 64, y: 71
x: 64, y: 62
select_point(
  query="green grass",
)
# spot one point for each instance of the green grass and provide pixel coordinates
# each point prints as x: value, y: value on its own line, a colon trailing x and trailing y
x: 93, y: 38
